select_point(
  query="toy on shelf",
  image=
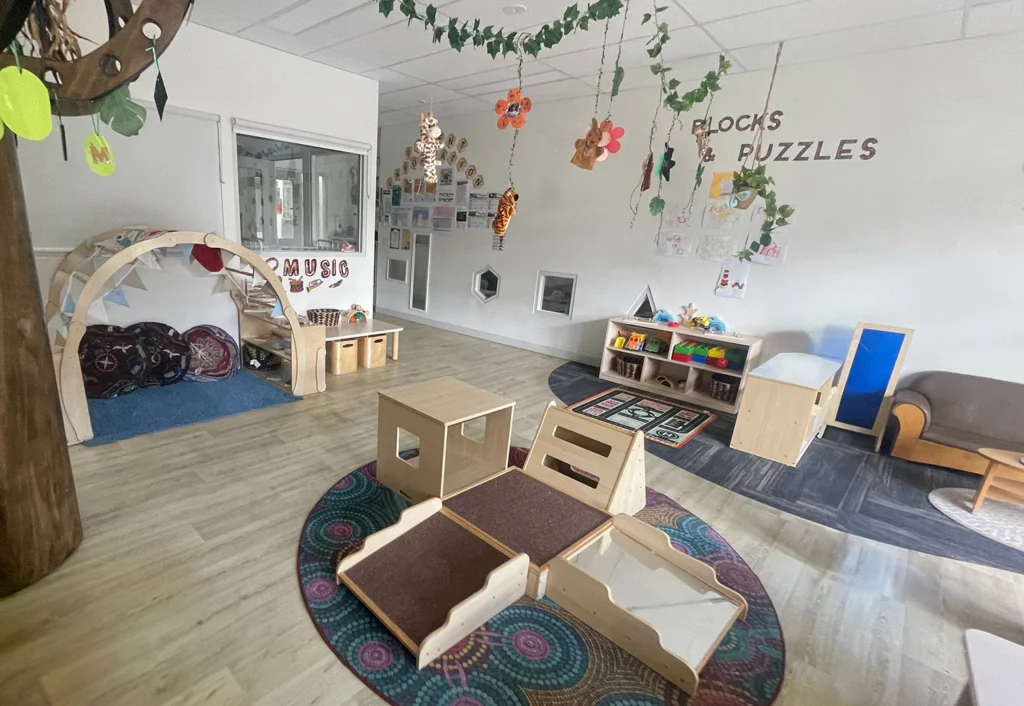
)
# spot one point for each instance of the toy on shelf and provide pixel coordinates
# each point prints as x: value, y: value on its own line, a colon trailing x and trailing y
x: 700, y: 353
x: 735, y: 358
x: 666, y: 382
x: 689, y: 313
x: 653, y: 345
x: 620, y: 341
x: 354, y: 314
x: 636, y: 341
x: 683, y: 352
x: 716, y: 357
x: 664, y: 316
x: 711, y: 324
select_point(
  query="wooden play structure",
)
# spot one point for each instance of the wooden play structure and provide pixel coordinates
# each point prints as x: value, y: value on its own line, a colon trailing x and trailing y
x: 42, y: 523
x: 307, y: 348
x: 561, y: 526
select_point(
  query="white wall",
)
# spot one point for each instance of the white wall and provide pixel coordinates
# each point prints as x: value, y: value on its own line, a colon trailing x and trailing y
x: 927, y: 234
x: 225, y: 76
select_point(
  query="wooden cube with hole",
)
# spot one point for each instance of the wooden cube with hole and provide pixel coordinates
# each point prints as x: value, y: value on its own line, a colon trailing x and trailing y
x: 463, y: 434
x: 578, y: 474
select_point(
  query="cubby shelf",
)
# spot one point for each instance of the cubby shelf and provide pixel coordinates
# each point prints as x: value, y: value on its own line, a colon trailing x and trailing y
x: 693, y: 378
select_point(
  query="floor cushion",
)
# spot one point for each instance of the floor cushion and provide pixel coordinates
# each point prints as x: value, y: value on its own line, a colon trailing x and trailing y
x: 113, y: 361
x: 214, y: 353
x: 167, y: 353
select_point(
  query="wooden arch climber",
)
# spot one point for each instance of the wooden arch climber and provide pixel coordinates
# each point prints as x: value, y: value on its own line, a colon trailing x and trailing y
x: 308, y: 356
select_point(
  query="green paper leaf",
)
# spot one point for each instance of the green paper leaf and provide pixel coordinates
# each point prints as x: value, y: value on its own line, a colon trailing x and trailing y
x: 657, y: 205
x: 124, y: 116
x: 386, y: 6
x: 654, y: 51
x: 699, y: 179
x: 766, y: 240
x: 647, y: 18
x: 438, y: 34
x: 620, y: 73
x: 431, y: 16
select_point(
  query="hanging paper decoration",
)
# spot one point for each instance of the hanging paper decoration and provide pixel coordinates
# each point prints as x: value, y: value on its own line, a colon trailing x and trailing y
x: 506, y: 209
x: 116, y: 296
x: 24, y: 101
x: 645, y: 183
x: 428, y: 145
x: 464, y: 143
x: 278, y: 311
x: 588, y: 148
x: 208, y: 257
x: 133, y: 279
x: 665, y: 168
x: 98, y: 154
x: 512, y: 109
x: 610, y: 136
x: 160, y: 92
x: 186, y: 250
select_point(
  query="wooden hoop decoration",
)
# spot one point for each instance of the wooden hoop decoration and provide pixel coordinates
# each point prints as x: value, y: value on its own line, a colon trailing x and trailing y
x: 117, y: 62
x: 72, y: 387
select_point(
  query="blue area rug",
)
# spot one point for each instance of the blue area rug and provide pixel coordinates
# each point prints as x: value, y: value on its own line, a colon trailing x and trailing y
x: 154, y: 409
x: 840, y: 483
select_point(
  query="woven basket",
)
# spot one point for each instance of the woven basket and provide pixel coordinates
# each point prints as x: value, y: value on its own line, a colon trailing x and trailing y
x: 325, y: 317
x: 723, y: 387
x: 629, y: 367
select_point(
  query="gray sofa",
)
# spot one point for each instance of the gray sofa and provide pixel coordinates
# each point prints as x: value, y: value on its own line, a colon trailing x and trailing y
x: 946, y: 417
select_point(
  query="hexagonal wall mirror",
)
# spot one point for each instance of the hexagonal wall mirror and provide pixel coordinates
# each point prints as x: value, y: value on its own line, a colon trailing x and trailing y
x: 486, y: 283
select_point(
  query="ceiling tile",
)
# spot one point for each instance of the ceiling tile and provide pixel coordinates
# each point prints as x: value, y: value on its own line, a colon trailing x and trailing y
x: 461, y: 107
x: 341, y: 60
x: 411, y: 97
x: 819, y: 16
x: 861, y: 40
x: 689, y: 71
x: 450, y: 64
x: 506, y: 73
x: 995, y: 18
x: 557, y: 90
x: 312, y: 12
x: 683, y: 44
x: 711, y: 10
x: 350, y: 25
x: 396, y: 117
x: 272, y: 37
x: 252, y: 11
x: 208, y: 16
x: 391, y: 81
x: 490, y: 12
x: 498, y: 89
x: 391, y: 45
x: 594, y: 36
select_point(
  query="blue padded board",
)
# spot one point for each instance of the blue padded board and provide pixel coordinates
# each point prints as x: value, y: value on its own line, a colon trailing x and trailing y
x: 870, y: 371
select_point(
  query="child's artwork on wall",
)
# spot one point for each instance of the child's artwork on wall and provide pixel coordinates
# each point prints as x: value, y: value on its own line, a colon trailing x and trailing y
x: 716, y: 246
x: 406, y: 238
x: 675, y: 243
x: 771, y: 255
x: 421, y: 217
x: 732, y: 281
x: 721, y: 184
x: 395, y: 239
x: 401, y: 217
x: 719, y: 215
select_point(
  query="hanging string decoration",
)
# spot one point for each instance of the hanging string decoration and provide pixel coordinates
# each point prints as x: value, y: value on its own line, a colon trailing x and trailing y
x: 611, y: 133
x: 752, y: 180
x: 160, y: 90
x: 515, y: 108
x: 47, y: 28
x: 588, y: 148
x: 98, y: 154
x: 428, y: 146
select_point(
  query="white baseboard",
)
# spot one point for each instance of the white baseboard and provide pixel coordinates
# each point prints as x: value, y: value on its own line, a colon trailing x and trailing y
x: 494, y: 338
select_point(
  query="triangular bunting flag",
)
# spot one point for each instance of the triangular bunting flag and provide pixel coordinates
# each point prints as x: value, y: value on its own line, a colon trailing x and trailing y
x: 133, y: 279
x: 117, y: 296
x: 148, y: 259
x: 68, y: 305
x: 98, y: 313
x: 186, y: 249
x: 278, y: 310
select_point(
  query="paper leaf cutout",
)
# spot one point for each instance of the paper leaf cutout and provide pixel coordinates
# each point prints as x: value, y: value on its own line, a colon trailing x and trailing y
x: 657, y: 205
x: 121, y: 113
x: 160, y: 95
x: 620, y: 73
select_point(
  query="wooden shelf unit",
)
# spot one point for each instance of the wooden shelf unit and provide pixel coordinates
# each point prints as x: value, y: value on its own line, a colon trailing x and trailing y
x: 694, y: 377
x: 263, y: 331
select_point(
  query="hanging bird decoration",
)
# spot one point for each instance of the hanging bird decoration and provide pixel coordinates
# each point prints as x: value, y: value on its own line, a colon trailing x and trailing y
x: 428, y: 145
x: 506, y: 209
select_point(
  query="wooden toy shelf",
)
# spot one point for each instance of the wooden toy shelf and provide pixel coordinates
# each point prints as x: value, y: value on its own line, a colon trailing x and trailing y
x: 258, y: 328
x: 693, y: 378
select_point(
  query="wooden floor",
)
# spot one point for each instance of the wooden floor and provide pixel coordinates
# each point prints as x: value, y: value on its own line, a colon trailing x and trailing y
x: 184, y: 590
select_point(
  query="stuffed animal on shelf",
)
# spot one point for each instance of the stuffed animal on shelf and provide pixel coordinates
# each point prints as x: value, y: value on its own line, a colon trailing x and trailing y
x: 506, y: 209
x: 588, y: 149
x: 428, y: 145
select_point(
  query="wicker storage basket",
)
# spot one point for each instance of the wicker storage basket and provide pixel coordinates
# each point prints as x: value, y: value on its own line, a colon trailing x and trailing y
x: 723, y: 387
x: 629, y: 366
x: 326, y: 317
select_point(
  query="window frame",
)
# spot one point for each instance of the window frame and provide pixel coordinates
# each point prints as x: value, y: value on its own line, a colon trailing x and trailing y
x: 387, y: 269
x: 363, y: 150
x: 476, y: 284
x: 412, y: 270
x: 542, y: 275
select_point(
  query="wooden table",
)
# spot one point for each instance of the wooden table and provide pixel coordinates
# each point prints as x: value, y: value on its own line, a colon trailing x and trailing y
x: 1004, y: 479
x: 361, y: 329
x: 784, y: 406
x: 436, y: 411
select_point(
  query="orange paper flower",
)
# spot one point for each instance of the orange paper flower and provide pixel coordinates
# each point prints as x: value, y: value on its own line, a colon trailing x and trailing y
x: 513, y: 109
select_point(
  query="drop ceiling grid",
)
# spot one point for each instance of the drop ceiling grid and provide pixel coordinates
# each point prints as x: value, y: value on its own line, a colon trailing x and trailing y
x: 372, y: 45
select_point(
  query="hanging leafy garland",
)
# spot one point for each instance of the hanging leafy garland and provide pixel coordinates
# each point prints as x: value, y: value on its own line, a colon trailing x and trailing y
x: 460, y: 33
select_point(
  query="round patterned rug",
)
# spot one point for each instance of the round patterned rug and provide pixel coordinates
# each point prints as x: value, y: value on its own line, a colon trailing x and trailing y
x: 533, y: 652
x: 997, y: 519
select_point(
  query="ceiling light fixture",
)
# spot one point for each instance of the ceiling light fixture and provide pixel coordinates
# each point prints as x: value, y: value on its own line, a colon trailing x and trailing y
x: 517, y: 9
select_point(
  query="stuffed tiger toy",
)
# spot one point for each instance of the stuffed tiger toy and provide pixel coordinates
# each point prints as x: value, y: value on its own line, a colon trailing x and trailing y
x: 506, y: 209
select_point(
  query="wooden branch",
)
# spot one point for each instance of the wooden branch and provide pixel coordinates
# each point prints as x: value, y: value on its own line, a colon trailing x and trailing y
x: 117, y: 62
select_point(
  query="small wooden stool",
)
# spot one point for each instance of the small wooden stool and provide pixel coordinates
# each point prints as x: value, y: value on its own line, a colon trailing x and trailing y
x: 1004, y: 479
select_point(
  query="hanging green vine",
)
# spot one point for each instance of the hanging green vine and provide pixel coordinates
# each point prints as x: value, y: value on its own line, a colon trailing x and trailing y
x: 775, y: 216
x: 459, y: 33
